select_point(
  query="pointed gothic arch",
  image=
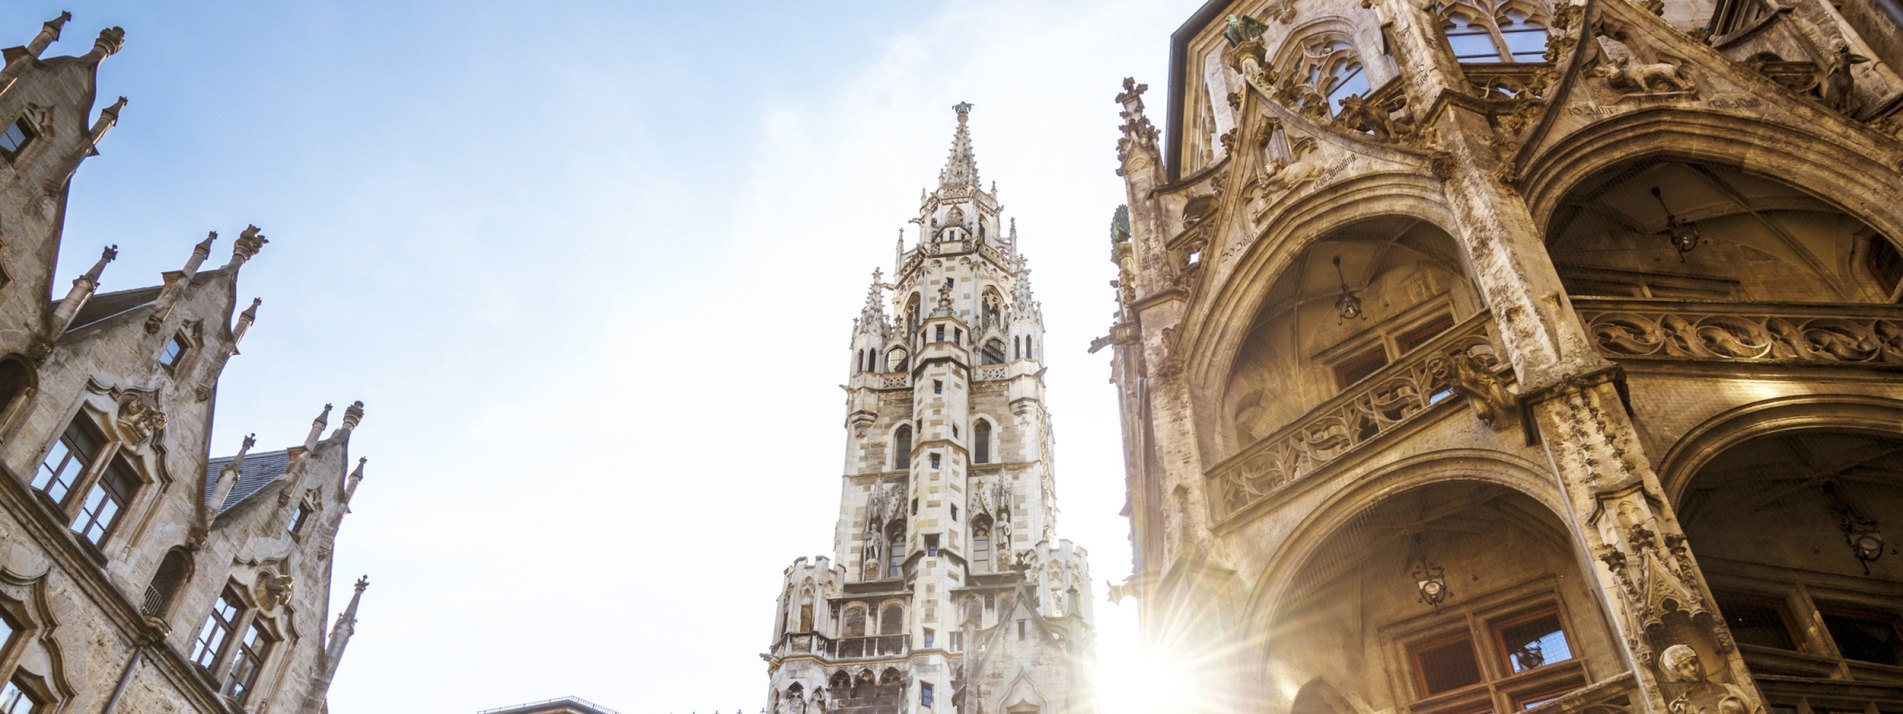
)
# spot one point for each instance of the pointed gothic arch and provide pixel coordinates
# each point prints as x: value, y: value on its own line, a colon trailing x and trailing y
x: 981, y: 441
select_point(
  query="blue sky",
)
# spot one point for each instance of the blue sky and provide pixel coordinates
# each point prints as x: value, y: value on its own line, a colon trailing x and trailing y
x: 593, y: 269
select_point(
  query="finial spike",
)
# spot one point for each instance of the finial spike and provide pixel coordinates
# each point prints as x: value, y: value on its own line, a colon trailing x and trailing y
x: 961, y: 168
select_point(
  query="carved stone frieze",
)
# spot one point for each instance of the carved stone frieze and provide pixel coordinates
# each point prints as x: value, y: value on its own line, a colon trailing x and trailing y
x: 1811, y: 335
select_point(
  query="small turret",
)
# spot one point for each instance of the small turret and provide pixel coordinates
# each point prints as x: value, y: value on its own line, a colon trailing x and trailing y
x: 176, y: 283
x: 227, y: 479
x: 334, y: 651
x: 317, y: 428
x: 350, y: 482
x: 245, y: 319
x: 49, y: 33
x: 67, y: 309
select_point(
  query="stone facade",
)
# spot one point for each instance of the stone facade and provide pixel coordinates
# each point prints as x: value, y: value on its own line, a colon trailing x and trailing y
x: 1483, y: 355
x: 949, y: 589
x: 138, y: 573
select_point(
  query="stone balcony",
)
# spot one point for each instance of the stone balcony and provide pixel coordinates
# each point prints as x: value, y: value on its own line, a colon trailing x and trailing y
x: 796, y: 644
x: 1359, y: 415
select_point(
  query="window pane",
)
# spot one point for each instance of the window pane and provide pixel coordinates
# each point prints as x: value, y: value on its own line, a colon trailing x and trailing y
x: 1535, y: 642
x: 1864, y: 636
x: 14, y: 138
x: 1352, y: 81
x: 15, y: 700
x: 1472, y: 44
x: 1526, y: 42
x: 1360, y: 366
x: 1447, y: 666
x: 1757, y: 621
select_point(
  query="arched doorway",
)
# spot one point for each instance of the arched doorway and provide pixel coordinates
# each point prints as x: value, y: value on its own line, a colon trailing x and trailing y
x: 1450, y: 597
x: 1790, y: 530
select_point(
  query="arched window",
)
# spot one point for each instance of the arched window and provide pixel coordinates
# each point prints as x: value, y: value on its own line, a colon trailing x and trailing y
x: 855, y: 622
x: 895, y: 551
x: 1471, y: 41
x: 898, y: 360
x: 981, y: 546
x: 806, y: 611
x: 173, y: 573
x: 981, y: 442
x: 993, y: 352
x: 1480, y: 31
x: 892, y: 620
x: 902, y: 448
x: 1331, y: 67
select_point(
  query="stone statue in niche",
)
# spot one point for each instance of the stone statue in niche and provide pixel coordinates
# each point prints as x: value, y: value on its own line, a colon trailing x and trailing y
x: 1698, y: 694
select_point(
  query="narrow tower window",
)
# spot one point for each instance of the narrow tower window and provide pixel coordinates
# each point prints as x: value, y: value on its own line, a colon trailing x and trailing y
x: 981, y: 442
x: 993, y: 352
x: 895, y: 557
x: 902, y: 448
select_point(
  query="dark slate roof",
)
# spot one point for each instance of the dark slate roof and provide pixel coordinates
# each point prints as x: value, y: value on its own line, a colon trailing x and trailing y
x: 259, y: 469
x: 104, y: 305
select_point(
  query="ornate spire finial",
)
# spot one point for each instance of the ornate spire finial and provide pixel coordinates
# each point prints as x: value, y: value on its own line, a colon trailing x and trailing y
x: 248, y: 245
x: 961, y: 168
x: 363, y: 582
x: 109, y: 42
x: 105, y: 256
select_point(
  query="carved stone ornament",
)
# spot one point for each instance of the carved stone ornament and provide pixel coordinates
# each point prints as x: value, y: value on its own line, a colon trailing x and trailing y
x: 1653, y: 570
x: 139, y: 418
x: 1624, y: 68
x: 1696, y: 692
x: 273, y: 589
x: 1484, y: 390
x: 1744, y: 335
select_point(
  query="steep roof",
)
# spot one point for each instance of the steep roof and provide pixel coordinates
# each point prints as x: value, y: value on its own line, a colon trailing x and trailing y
x: 104, y: 305
x: 258, y: 471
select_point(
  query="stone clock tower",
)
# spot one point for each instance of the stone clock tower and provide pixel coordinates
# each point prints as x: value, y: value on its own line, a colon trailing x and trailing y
x: 948, y: 590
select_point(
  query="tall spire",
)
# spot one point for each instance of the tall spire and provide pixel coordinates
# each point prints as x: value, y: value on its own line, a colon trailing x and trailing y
x: 961, y: 168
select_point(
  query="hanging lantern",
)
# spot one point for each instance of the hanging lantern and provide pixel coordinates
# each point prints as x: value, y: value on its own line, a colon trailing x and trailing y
x: 1683, y: 234
x: 1430, y: 580
x: 1860, y: 533
x: 1347, y: 305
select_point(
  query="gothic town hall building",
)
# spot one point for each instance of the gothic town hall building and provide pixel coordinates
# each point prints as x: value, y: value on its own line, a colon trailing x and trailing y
x: 949, y: 590
x: 1519, y: 355
x: 138, y: 573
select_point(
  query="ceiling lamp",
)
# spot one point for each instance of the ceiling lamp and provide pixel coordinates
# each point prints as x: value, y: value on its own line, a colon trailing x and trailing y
x: 1861, y: 533
x: 1683, y: 234
x: 1347, y: 306
x: 1430, y: 580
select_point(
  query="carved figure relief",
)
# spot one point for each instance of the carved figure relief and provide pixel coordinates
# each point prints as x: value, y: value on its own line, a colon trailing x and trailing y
x: 139, y: 417
x: 1839, y: 82
x: 1697, y: 694
x: 1626, y: 75
x: 273, y: 589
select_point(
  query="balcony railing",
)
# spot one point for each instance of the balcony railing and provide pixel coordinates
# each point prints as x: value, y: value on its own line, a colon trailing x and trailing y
x: 813, y: 643
x: 1769, y: 333
x: 1376, y: 405
x: 154, y: 603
